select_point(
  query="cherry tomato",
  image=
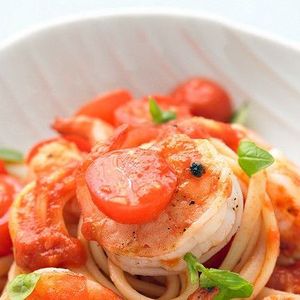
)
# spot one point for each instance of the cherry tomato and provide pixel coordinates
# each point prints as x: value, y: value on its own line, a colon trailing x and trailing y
x: 2, y: 167
x: 205, y: 98
x: 9, y: 186
x: 137, y: 112
x: 81, y: 143
x: 103, y: 106
x: 131, y: 186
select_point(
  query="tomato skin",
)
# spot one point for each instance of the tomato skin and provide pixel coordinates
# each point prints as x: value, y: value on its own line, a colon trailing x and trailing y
x: 104, y: 105
x: 136, y: 112
x: 205, y: 98
x: 131, y: 186
x: 9, y: 186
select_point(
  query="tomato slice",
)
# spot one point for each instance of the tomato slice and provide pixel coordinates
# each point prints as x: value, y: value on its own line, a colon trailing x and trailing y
x: 131, y: 186
x: 103, y: 106
x: 205, y: 98
x: 137, y: 112
x: 9, y: 186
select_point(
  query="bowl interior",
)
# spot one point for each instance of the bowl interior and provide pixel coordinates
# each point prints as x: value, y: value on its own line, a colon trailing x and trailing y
x: 51, y: 71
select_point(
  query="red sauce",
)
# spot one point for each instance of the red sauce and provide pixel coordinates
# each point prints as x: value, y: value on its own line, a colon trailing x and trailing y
x: 286, y: 278
x: 39, y: 234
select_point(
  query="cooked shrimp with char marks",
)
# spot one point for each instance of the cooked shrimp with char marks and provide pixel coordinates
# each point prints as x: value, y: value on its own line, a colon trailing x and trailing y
x: 202, y: 215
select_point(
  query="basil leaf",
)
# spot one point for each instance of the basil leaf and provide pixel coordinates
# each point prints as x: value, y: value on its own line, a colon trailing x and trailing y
x: 194, y: 267
x: 205, y: 282
x: 158, y: 115
x: 252, y: 158
x: 231, y: 285
x: 22, y: 286
x: 10, y: 155
x: 240, y: 116
x: 193, y: 272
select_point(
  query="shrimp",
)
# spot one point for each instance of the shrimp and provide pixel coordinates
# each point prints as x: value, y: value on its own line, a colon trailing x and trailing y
x: 283, y: 180
x: 202, y: 216
x: 91, y: 129
x: 52, y: 156
x: 62, y: 284
x: 283, y: 188
x: 39, y: 231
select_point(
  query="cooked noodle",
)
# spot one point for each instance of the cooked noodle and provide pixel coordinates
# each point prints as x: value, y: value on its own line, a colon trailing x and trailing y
x: 251, y: 232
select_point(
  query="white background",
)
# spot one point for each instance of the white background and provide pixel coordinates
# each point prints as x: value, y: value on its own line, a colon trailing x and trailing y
x: 278, y: 17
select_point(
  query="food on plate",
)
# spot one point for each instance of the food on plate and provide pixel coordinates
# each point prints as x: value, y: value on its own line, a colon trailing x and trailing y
x: 156, y: 198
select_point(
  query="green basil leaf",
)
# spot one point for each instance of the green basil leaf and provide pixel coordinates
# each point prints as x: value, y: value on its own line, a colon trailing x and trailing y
x: 240, y: 116
x: 192, y: 267
x: 22, y: 286
x: 205, y: 282
x: 10, y: 155
x: 158, y: 115
x: 231, y: 285
x: 252, y: 158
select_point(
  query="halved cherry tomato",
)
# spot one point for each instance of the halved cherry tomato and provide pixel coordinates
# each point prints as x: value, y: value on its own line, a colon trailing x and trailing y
x: 137, y: 112
x: 103, y: 106
x: 9, y: 186
x: 2, y: 167
x: 131, y: 186
x: 205, y: 98
x: 81, y: 143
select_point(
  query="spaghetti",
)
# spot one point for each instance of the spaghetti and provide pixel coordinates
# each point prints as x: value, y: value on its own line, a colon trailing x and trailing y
x: 111, y: 212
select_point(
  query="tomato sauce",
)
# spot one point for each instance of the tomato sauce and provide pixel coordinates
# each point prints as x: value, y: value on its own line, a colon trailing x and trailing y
x: 286, y: 278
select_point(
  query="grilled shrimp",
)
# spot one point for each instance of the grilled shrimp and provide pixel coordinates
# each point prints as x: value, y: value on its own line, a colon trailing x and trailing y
x: 91, y: 129
x: 203, y: 214
x: 53, y: 155
x: 283, y: 180
x: 62, y: 284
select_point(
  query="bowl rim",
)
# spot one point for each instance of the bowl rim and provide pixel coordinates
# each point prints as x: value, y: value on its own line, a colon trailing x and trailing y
x: 146, y: 12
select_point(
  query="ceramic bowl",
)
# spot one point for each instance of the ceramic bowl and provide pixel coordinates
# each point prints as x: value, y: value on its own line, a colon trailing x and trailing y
x: 51, y: 70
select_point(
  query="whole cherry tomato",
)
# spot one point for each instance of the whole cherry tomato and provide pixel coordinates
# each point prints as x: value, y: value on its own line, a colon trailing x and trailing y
x: 205, y: 98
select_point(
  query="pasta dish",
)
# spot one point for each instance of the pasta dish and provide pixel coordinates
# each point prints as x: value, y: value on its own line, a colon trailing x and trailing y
x: 168, y: 197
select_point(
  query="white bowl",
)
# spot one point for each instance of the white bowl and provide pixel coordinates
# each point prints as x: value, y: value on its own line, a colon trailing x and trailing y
x: 50, y: 71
